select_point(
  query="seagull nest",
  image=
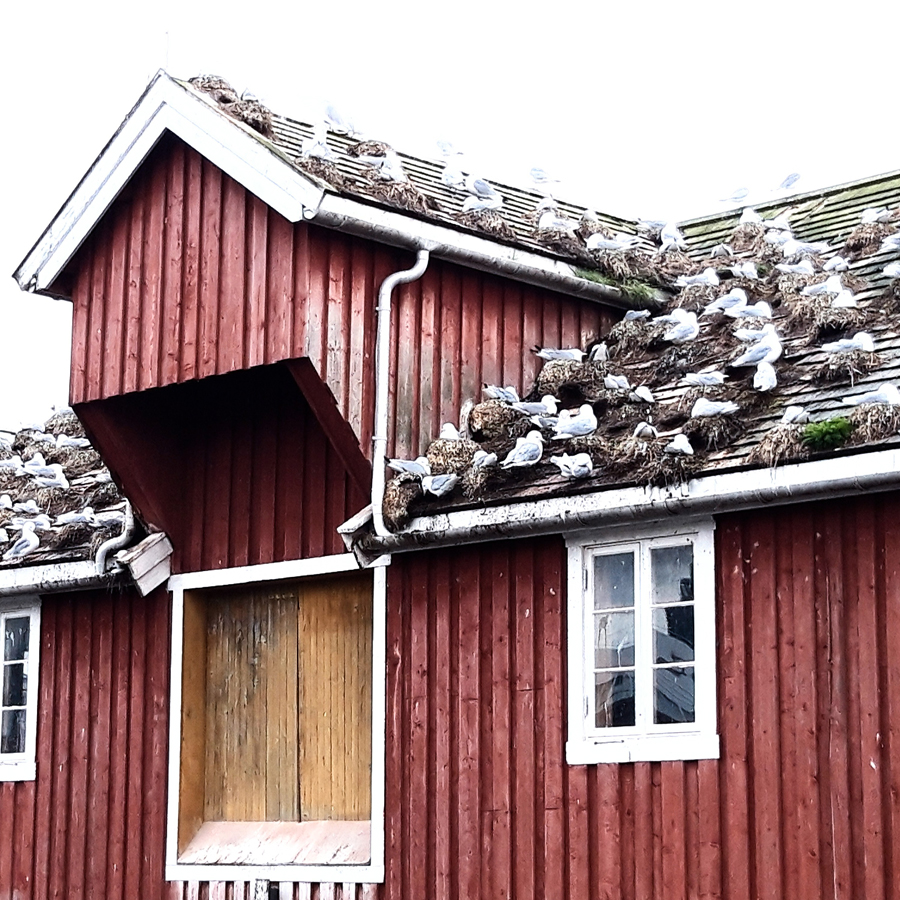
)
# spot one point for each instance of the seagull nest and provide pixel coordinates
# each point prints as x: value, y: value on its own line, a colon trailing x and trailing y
x: 619, y: 265
x: 450, y: 456
x: 661, y: 469
x: 593, y: 444
x: 369, y: 148
x: 324, y: 170
x: 873, y: 422
x: 850, y: 364
x: 565, y: 244
x: 64, y: 422
x: 792, y: 283
x: 626, y: 337
x: 711, y: 391
x: 570, y: 381
x: 587, y: 228
x: 822, y: 320
x: 402, y: 194
x: 252, y: 113
x: 75, y: 461
x: 748, y: 237
x: 488, y: 221
x: 695, y: 296
x: 714, y: 432
x: 622, y: 456
x: 682, y: 358
x: 494, y: 420
x: 475, y: 480
x: 779, y: 444
x: 866, y: 239
x: 218, y: 88
x: 668, y: 266
x: 399, y: 495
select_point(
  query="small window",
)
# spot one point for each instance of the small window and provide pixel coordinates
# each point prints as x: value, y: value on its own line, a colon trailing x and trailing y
x: 642, y: 646
x: 20, y: 633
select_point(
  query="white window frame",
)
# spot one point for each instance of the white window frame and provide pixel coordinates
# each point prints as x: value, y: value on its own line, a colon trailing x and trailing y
x: 22, y: 766
x: 645, y: 742
x: 369, y: 873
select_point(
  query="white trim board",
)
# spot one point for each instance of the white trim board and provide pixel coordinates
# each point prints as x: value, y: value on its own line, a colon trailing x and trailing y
x: 371, y: 873
x: 68, y: 576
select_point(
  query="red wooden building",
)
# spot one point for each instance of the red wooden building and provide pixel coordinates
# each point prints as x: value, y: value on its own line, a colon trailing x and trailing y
x: 275, y: 719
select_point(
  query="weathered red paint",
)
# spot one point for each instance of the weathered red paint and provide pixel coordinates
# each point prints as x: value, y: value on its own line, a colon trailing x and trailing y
x: 189, y: 275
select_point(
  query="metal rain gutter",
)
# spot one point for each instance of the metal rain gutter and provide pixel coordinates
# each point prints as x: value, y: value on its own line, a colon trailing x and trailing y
x: 729, y: 492
x: 54, y: 577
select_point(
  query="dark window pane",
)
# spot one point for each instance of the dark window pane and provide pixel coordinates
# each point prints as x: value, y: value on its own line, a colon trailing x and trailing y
x: 614, y: 693
x: 673, y: 634
x: 673, y: 574
x: 613, y: 639
x: 14, y: 685
x: 16, y: 638
x: 12, y: 731
x: 673, y: 695
x: 614, y: 581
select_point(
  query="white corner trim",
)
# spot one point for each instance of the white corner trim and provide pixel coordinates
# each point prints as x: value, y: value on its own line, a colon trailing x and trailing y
x: 165, y: 105
x: 277, y: 571
x: 374, y: 871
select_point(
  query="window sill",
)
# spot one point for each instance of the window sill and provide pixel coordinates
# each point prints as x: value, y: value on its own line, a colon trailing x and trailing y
x: 279, y: 844
x: 647, y: 748
x: 17, y: 771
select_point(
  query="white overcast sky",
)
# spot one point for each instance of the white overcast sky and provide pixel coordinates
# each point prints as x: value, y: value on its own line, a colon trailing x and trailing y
x: 642, y: 108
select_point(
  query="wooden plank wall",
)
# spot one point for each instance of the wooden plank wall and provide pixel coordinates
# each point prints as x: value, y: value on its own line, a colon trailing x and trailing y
x: 91, y: 826
x: 189, y: 275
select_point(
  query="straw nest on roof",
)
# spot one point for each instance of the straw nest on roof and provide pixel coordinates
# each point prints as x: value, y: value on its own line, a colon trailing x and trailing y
x: 748, y: 238
x: 252, y: 113
x: 715, y: 432
x: 570, y: 381
x: 368, y: 148
x: 653, y: 467
x: 626, y: 337
x: 821, y: 319
x: 64, y: 422
x: 588, y: 227
x: 866, y: 239
x: 450, y: 456
x: 564, y: 243
x: 781, y: 443
x: 218, y: 88
x: 324, y: 170
x: 873, y: 422
x: 399, y: 494
x: 488, y: 221
x: 402, y: 194
x: 850, y: 364
x: 695, y: 296
x: 494, y: 420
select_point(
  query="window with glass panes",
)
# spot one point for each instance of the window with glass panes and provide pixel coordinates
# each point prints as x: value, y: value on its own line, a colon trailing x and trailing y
x: 642, y: 647
x: 18, y: 690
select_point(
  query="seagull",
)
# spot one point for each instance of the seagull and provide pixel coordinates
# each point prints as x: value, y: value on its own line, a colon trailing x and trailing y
x: 13, y: 462
x: 599, y: 241
x: 28, y: 506
x: 600, y: 352
x: 616, y: 382
x: 482, y: 459
x: 891, y: 242
x: 55, y: 479
x: 494, y: 392
x: 642, y: 394
x: 722, y: 251
x: 389, y: 166
x: 767, y: 348
x: 527, y: 452
x: 789, y: 181
x: 545, y: 421
x: 746, y: 269
x: 887, y: 394
x: 680, y: 445
x: 795, y: 415
x: 548, y: 353
x: 704, y: 379
x: 892, y: 270
x: 831, y: 285
x: 804, y: 267
x: 750, y: 217
x: 453, y: 177
x: 584, y: 423
x: 439, y: 485
x: 79, y: 443
x: 862, y: 340
x: 765, y: 378
x: 478, y: 187
x: 552, y: 220
x: 541, y: 177
x: 644, y: 431
x: 671, y: 237
x: 704, y: 408
x: 685, y: 330
x: 27, y: 543
x: 735, y: 297
x: 634, y: 314
x: 845, y: 299
x: 736, y: 197
x: 792, y: 247
x: 449, y: 432
x: 836, y: 264
x: 758, y: 310
x: 578, y: 466
x: 875, y: 214
x: 777, y: 238
x: 338, y: 123
x: 85, y: 517
x: 707, y: 276
x: 546, y: 407
x: 447, y: 149
x: 316, y: 147
x: 778, y: 223
x: 36, y: 463
x: 4, y: 536
x: 5, y: 501
x: 481, y: 204
x: 41, y: 522
x: 749, y: 335
x: 418, y: 466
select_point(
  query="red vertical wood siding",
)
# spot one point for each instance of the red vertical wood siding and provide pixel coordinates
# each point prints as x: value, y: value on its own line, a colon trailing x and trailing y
x: 189, y: 275
x: 91, y: 826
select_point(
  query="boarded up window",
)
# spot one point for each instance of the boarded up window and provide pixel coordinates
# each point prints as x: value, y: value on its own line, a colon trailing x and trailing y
x: 277, y: 703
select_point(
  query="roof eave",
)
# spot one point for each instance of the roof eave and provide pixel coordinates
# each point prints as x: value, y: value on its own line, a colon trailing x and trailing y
x: 709, y: 495
x: 55, y: 577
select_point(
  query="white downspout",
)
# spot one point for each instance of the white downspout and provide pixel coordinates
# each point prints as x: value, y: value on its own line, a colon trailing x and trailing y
x: 382, y: 381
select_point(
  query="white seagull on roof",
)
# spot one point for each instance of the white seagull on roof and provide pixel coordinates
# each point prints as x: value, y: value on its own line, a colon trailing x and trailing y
x: 765, y: 378
x: 316, y: 147
x: 704, y: 408
x: 481, y: 204
x: 746, y: 269
x: 685, y: 329
x: 617, y: 243
x: 707, y: 276
x: 670, y: 237
x: 836, y: 264
x: 584, y: 423
x: 642, y: 394
x: 634, y: 314
x: 27, y: 543
x: 478, y: 187
x: 482, y: 459
x: 449, y: 432
x: 892, y: 270
x: 553, y: 220
x: 795, y: 415
x: 886, y: 394
x: 758, y: 310
x: 418, y: 466
x: 545, y: 407
x: 735, y: 297
x: 439, y: 485
x: 890, y: 242
x: 494, y: 392
x: 804, y: 267
x: 338, y: 123
x: 875, y: 214
x: 831, y: 285
x: 680, y: 445
x: 750, y: 217
x: 862, y: 340
x: 767, y: 348
x: 704, y: 379
x: 578, y: 466
x: 778, y: 223
x: 549, y: 353
x: 616, y: 382
x: 85, y: 517
x: 527, y: 452
x: 644, y: 431
x: 792, y: 247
